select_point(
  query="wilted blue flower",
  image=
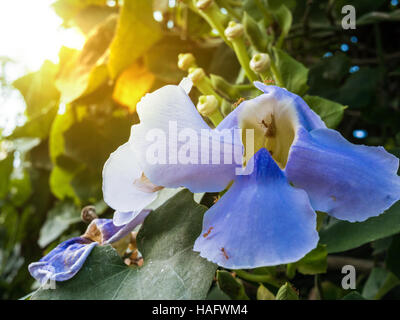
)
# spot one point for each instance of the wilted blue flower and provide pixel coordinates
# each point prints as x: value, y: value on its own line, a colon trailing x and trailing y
x: 64, y: 261
x: 267, y: 216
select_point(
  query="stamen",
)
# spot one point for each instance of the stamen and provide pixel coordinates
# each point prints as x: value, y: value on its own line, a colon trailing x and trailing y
x: 271, y: 131
x: 270, y: 127
x: 239, y: 101
x: 208, y: 232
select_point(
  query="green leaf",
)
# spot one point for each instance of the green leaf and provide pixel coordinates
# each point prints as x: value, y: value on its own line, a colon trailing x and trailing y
x: 58, y: 220
x: 171, y: 270
x: 38, y: 89
x: 6, y: 168
x: 129, y: 44
x: 108, y: 135
x: 264, y: 294
x: 392, y: 258
x: 353, y: 296
x: 374, y: 17
x: 293, y: 73
x: 285, y: 19
x: 68, y: 9
x: 330, y: 112
x: 342, y: 235
x: 254, y: 33
x: 217, y: 294
x: 38, y: 126
x: 82, y: 72
x: 232, y: 287
x: 286, y: 292
x: 61, y: 176
x: 162, y: 59
x: 375, y: 281
x: 20, y: 188
x: 314, y: 262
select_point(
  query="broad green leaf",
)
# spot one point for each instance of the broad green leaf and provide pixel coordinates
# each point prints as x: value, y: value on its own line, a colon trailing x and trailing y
x: 89, y: 17
x: 375, y: 17
x: 91, y: 141
x: 68, y: 9
x: 6, y: 168
x: 314, y: 262
x: 332, y: 291
x: 87, y: 185
x: 284, y: 18
x: 58, y: 220
x: 330, y: 112
x: 293, y: 73
x: 82, y: 72
x: 60, y: 183
x: 392, y: 257
x: 353, y: 296
x: 163, y: 196
x: 375, y: 282
x: 132, y: 85
x: 61, y: 176
x: 359, y: 89
x: 264, y: 294
x: 171, y: 270
x: 342, y: 235
x: 217, y: 294
x: 162, y: 59
x: 20, y: 188
x: 38, y: 89
x: 254, y: 33
x: 286, y: 292
x: 231, y: 286
x: 136, y: 32
x: 37, y: 126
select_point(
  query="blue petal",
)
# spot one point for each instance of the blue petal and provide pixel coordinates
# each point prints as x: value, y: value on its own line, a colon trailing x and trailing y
x: 307, y: 117
x: 63, y: 262
x: 350, y: 182
x: 103, y: 231
x: 122, y: 231
x: 260, y: 221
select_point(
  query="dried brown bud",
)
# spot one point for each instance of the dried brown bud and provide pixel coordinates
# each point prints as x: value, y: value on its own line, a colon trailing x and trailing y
x: 88, y: 214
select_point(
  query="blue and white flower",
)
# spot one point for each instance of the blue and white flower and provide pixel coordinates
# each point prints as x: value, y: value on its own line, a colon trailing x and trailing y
x: 267, y: 215
x: 64, y: 261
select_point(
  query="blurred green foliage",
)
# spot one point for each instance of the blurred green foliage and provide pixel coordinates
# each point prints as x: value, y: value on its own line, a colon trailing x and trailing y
x: 81, y: 110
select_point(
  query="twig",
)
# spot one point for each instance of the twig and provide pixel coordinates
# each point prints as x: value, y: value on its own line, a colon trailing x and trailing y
x: 362, y: 265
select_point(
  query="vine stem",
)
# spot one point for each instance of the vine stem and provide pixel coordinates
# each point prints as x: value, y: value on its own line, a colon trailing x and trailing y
x: 265, y: 278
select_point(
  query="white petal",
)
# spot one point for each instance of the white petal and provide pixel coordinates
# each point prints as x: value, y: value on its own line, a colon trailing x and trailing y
x: 119, y: 175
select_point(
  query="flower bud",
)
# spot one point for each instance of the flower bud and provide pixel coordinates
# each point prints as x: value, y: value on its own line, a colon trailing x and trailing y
x: 186, y: 61
x: 260, y: 62
x: 207, y: 105
x: 234, y: 30
x: 88, y: 214
x: 204, y: 4
x: 196, y: 75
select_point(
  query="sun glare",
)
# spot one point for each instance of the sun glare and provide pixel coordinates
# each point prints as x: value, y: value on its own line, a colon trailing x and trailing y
x: 31, y: 33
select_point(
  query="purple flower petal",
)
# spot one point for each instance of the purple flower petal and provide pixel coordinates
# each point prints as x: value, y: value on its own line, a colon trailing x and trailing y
x: 63, y: 262
x: 350, y: 182
x: 307, y: 117
x: 260, y: 221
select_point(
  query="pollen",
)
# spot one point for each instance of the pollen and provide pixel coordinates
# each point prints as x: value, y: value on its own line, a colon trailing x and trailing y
x: 239, y: 101
x: 208, y: 232
x: 269, y: 81
x: 270, y: 128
